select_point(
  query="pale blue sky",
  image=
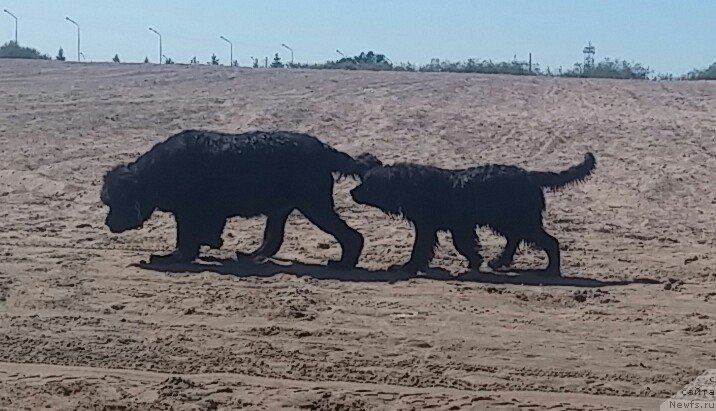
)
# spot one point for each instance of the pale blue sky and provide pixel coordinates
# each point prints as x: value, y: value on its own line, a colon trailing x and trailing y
x: 667, y: 35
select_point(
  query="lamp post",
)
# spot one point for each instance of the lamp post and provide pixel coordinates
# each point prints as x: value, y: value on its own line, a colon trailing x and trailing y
x: 78, y: 36
x: 339, y: 52
x: 231, y: 50
x: 290, y: 49
x: 160, y: 43
x: 14, y: 17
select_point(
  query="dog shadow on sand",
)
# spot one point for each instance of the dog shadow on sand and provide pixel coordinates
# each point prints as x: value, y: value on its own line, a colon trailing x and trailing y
x: 245, y: 268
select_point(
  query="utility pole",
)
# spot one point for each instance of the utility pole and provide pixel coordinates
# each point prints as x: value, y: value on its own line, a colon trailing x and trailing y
x: 530, y: 62
x: 15, y: 17
x: 160, y: 43
x: 78, y: 37
x: 290, y: 49
x: 231, y: 50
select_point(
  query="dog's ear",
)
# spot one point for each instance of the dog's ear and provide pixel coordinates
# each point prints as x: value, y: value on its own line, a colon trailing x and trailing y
x: 368, y: 160
x: 118, y: 180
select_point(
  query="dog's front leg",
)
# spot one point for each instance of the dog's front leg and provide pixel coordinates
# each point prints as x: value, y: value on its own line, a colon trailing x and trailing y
x: 188, y: 241
x: 423, y: 250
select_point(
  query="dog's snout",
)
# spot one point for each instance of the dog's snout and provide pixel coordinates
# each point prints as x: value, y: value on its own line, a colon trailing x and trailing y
x: 355, y: 193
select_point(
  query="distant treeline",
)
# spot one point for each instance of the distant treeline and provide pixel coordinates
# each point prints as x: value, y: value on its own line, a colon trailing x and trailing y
x: 705, y: 74
x: 608, y: 68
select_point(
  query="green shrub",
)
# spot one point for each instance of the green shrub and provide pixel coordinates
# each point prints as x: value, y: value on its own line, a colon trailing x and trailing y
x: 364, y: 61
x: 616, y: 69
x: 514, y: 67
x: 12, y: 50
x: 277, y: 62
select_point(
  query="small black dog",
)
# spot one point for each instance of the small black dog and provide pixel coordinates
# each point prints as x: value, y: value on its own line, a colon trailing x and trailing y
x: 205, y: 177
x: 507, y: 199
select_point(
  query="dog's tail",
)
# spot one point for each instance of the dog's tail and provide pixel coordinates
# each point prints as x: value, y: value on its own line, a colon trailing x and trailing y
x: 572, y: 175
x: 355, y: 167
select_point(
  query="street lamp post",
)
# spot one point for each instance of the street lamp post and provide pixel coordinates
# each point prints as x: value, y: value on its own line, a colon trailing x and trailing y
x: 160, y: 43
x: 339, y: 52
x: 14, y: 17
x: 231, y: 50
x: 290, y: 49
x: 78, y: 36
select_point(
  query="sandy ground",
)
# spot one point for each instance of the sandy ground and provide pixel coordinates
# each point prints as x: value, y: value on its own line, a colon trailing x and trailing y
x: 82, y: 326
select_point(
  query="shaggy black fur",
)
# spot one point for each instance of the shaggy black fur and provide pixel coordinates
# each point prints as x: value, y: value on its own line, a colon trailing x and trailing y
x: 508, y: 199
x: 205, y: 177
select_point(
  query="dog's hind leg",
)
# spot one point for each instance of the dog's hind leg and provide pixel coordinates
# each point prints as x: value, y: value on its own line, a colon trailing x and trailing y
x: 505, y: 259
x: 211, y: 233
x: 551, y: 246
x: 325, y: 217
x: 467, y: 243
x: 426, y: 239
x: 273, y: 236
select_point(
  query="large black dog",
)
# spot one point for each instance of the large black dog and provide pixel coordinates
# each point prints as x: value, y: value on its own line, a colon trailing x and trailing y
x: 205, y: 177
x: 507, y: 199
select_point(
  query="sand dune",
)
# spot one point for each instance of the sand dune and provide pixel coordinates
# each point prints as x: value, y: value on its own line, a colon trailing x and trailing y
x: 83, y: 326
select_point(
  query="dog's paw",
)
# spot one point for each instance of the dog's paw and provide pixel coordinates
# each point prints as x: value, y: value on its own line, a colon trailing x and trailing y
x: 240, y: 255
x: 408, y: 268
x: 258, y: 259
x: 496, y: 264
x: 340, y: 265
x: 214, y: 243
x: 171, y: 258
x: 474, y: 265
x: 552, y: 272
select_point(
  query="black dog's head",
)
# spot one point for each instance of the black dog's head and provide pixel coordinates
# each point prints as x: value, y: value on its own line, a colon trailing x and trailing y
x: 379, y: 188
x: 128, y: 204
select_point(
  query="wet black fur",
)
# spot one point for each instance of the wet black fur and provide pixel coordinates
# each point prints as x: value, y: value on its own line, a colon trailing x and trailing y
x: 205, y: 177
x: 507, y: 199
